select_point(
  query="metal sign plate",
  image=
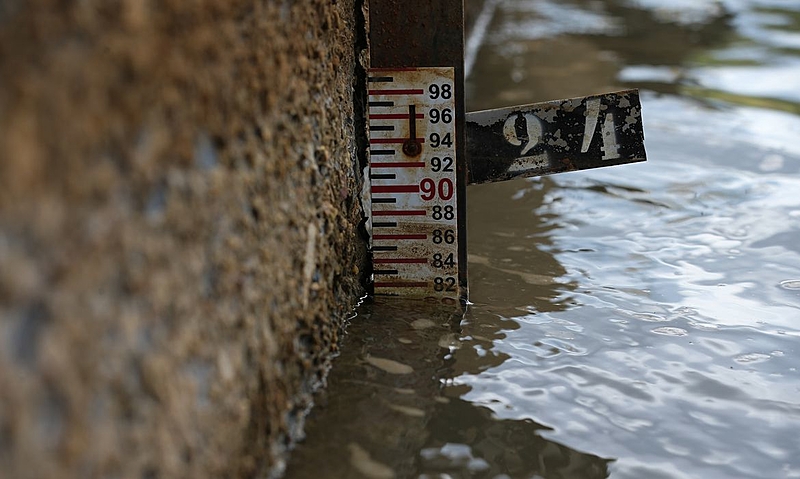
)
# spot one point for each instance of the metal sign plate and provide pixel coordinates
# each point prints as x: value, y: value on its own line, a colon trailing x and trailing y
x: 412, y: 151
x: 554, y: 137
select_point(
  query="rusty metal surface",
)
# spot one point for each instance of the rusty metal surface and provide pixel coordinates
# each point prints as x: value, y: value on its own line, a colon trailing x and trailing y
x: 416, y: 33
x: 555, y: 137
x: 426, y: 33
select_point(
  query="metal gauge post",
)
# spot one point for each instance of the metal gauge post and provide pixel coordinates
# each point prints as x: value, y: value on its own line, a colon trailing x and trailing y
x: 419, y: 44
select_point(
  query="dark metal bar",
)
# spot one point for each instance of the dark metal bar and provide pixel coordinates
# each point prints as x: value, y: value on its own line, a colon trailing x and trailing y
x: 554, y: 137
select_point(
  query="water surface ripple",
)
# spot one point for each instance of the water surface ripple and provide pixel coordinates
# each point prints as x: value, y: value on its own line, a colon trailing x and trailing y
x: 667, y: 338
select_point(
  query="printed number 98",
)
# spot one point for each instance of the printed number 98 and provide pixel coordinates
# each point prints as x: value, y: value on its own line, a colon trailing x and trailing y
x: 444, y: 91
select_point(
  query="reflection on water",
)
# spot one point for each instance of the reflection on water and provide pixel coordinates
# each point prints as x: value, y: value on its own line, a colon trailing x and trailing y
x: 633, y: 322
x: 392, y: 409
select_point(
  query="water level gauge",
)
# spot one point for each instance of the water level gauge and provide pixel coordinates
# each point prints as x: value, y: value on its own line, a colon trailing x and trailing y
x: 424, y: 148
x: 412, y: 174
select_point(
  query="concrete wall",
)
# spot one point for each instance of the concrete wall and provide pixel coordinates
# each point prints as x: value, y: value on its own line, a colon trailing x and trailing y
x: 178, y: 230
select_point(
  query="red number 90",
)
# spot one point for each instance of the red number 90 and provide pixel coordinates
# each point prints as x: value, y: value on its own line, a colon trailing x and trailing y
x: 428, y: 189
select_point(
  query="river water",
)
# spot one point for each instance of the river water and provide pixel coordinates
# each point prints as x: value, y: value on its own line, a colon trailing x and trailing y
x: 640, y: 321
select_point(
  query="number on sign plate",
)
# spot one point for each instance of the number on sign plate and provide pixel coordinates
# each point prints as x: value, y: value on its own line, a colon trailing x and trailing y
x: 438, y: 140
x: 448, y: 237
x: 444, y: 91
x: 446, y: 115
x: 447, y: 212
x: 441, y: 261
x: 444, y: 284
x: 428, y: 188
x: 441, y: 164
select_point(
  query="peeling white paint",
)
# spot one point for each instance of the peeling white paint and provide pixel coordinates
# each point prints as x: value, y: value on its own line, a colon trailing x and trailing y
x: 592, y: 115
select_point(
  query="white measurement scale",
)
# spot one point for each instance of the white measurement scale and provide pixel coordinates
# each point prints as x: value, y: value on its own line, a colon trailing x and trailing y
x: 424, y: 148
x: 412, y: 174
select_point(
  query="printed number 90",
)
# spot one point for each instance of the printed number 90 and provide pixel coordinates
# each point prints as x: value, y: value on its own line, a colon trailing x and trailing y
x: 428, y: 189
